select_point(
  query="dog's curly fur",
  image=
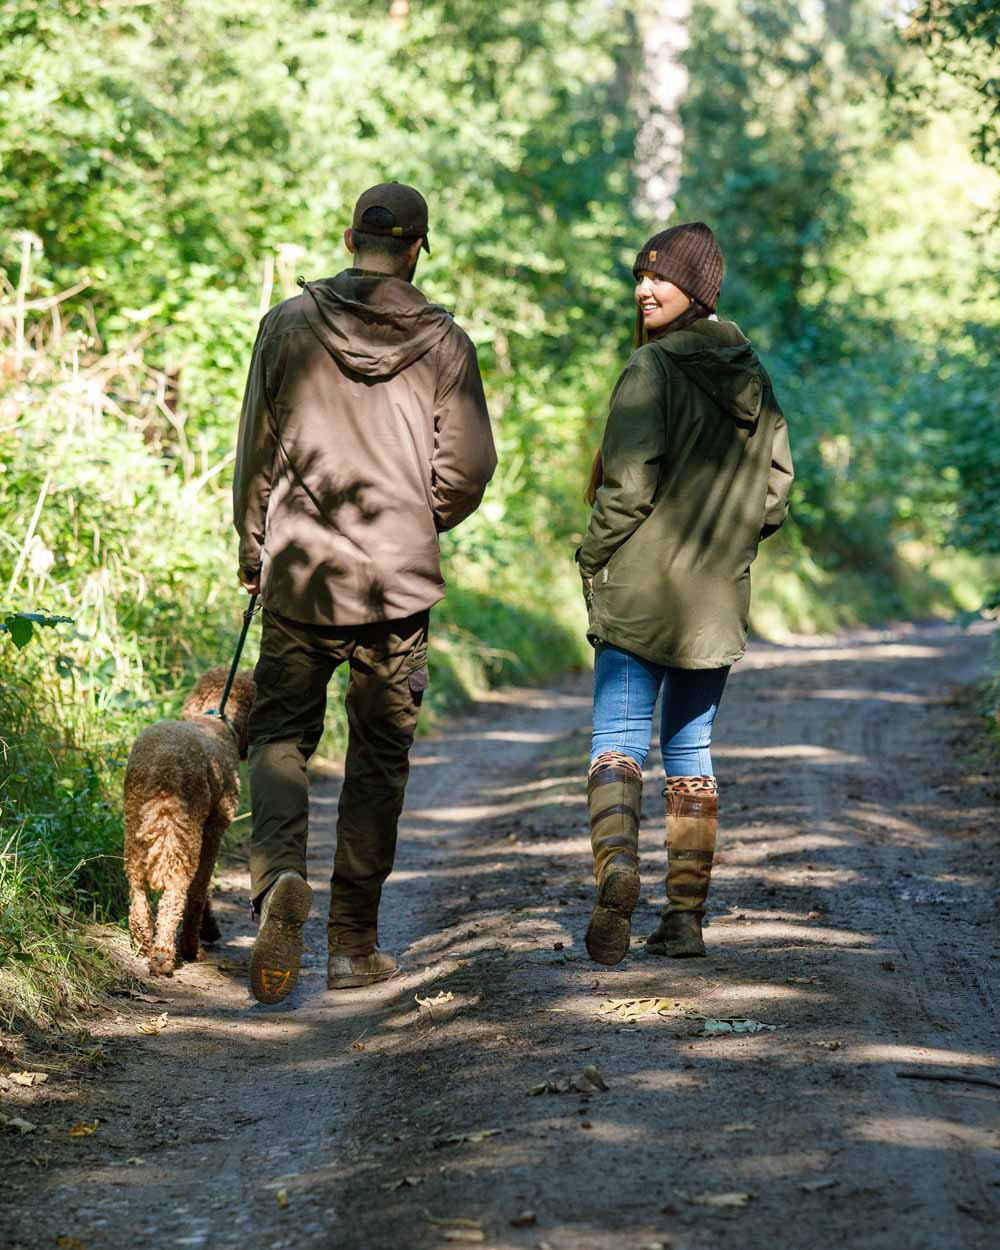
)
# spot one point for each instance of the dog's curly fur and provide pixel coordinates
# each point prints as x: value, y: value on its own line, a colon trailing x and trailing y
x: 182, y: 789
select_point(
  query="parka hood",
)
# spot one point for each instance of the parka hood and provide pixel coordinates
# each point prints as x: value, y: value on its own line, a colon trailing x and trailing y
x: 372, y: 323
x: 719, y: 360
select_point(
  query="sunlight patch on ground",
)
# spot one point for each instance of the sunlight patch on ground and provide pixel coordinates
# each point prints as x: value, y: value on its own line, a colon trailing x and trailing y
x: 869, y: 696
x: 925, y: 1132
x: 764, y: 928
x: 925, y: 1056
x: 825, y: 756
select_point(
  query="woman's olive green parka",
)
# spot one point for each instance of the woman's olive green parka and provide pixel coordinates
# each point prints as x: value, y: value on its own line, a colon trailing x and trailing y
x: 697, y: 470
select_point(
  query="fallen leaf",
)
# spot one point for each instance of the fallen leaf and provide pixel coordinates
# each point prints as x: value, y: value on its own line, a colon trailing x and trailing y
x: 629, y: 1010
x: 824, y: 1182
x: 17, y: 1124
x: 585, y: 1082
x: 593, y: 1077
x: 86, y: 1128
x: 70, y: 1243
x: 29, y: 1078
x: 404, y: 1182
x: 829, y: 1045
x: 357, y: 1046
x: 146, y: 998
x: 526, y: 1219
x: 800, y: 980
x: 153, y: 1025
x: 737, y: 1198
x: 741, y: 1126
x: 438, y: 1001
x: 457, y: 1229
x: 458, y: 1139
x: 738, y: 1024
x: 281, y: 1198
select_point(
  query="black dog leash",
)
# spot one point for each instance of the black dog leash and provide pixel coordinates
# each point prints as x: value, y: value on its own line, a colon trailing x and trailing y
x: 247, y: 618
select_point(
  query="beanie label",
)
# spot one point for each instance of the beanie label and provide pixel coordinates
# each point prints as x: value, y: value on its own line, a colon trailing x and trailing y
x: 652, y: 256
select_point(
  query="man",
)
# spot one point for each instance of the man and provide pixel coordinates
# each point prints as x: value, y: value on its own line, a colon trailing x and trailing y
x: 364, y: 434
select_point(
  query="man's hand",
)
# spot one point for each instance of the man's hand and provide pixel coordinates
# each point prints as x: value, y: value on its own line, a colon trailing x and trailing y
x: 250, y: 581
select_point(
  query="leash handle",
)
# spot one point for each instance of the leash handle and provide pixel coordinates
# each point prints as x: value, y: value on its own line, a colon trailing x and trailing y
x: 247, y: 618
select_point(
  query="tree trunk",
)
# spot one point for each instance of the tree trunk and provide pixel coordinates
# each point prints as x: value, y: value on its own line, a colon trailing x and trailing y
x: 663, y: 81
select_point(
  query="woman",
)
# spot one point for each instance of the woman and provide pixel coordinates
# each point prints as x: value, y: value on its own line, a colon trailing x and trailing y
x: 694, y: 470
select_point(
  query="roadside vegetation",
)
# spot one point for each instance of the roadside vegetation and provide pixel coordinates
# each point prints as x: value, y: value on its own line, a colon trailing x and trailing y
x: 170, y: 169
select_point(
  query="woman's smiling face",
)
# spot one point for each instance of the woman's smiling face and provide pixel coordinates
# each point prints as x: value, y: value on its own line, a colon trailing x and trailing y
x: 660, y: 302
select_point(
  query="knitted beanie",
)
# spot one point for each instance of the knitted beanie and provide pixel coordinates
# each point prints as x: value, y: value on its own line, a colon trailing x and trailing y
x: 689, y: 257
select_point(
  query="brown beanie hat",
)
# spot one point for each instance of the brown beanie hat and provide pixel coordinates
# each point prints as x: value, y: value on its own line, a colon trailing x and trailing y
x: 689, y: 257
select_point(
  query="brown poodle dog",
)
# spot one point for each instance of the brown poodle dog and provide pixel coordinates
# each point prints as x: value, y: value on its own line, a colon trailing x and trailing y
x: 182, y: 789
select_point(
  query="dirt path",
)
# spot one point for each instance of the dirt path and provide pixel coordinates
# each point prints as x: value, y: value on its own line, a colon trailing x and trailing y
x: 854, y: 906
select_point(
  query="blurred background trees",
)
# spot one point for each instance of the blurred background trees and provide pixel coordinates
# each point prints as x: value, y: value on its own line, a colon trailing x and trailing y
x: 169, y: 168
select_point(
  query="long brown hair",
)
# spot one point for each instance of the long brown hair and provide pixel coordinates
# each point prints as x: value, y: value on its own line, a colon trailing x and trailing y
x: 695, y: 311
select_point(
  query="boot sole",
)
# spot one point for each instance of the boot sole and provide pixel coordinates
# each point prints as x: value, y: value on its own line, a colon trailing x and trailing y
x: 609, y: 934
x: 277, y: 953
x: 357, y: 981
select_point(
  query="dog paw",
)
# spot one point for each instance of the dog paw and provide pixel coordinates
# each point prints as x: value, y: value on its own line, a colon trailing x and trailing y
x: 161, y: 963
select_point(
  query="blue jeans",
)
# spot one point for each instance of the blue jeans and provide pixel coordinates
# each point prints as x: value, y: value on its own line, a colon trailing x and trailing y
x: 625, y: 690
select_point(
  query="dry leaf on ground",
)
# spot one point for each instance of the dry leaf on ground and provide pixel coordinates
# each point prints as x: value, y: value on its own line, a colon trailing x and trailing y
x: 741, y: 1126
x: 70, y: 1243
x: 457, y: 1229
x: 631, y: 1009
x: 29, y: 1078
x: 736, y: 1198
x: 585, y: 1082
x: 281, y: 1198
x: 154, y: 1025
x: 459, y: 1139
x: 404, y: 1182
x: 16, y: 1124
x: 734, y: 1024
x: 86, y: 1128
x: 439, y: 999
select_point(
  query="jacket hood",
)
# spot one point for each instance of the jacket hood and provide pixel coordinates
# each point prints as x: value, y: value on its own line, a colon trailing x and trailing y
x: 719, y: 360
x: 371, y: 323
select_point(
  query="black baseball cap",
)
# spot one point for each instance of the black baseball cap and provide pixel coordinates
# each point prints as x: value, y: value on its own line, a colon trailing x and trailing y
x: 407, y: 206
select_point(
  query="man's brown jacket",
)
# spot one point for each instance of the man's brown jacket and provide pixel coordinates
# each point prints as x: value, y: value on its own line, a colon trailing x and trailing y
x: 364, y: 433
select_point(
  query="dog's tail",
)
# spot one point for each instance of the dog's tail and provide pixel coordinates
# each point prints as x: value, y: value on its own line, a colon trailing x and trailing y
x: 170, y: 838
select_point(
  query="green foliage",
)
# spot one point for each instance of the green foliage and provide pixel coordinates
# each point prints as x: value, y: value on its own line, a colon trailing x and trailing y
x: 187, y: 161
x: 961, y: 38
x: 21, y: 626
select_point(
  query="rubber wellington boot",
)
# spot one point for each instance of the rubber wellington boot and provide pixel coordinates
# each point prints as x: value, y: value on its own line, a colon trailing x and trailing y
x: 614, y: 795
x: 692, y: 823
x: 277, y: 953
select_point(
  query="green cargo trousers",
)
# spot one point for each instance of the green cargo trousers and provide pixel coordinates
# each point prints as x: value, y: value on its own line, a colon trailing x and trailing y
x: 388, y: 663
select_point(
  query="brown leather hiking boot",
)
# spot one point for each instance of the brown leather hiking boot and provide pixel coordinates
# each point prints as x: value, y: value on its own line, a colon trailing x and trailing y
x: 348, y: 972
x: 277, y: 952
x: 692, y: 823
x: 614, y: 796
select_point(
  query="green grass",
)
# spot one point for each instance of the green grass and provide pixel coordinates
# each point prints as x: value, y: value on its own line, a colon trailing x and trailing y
x: 53, y: 963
